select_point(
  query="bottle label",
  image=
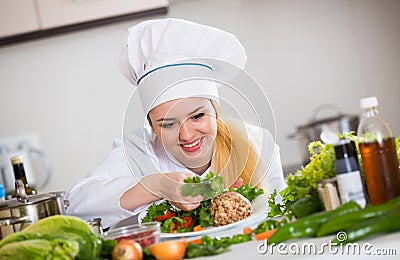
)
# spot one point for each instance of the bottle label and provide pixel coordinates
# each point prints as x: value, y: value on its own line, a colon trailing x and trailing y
x: 351, y: 188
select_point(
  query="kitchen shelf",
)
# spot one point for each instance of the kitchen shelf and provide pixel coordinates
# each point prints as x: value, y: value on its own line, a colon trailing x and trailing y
x: 23, y: 20
x: 74, y: 27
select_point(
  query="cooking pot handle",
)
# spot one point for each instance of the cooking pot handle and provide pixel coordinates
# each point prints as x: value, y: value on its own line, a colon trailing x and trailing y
x: 66, y: 204
x: 325, y: 107
x: 296, y: 135
x: 18, y: 220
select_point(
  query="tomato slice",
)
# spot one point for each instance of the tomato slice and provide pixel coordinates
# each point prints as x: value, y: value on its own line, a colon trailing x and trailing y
x: 166, y: 216
x: 187, y: 222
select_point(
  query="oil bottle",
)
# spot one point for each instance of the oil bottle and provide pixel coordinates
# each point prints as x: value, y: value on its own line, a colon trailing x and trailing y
x: 378, y: 153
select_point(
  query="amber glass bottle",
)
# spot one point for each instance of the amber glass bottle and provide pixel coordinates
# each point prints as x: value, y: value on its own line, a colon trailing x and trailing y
x: 378, y: 153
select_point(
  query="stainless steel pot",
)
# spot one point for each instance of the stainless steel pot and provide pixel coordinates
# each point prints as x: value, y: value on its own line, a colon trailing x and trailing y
x: 324, y: 128
x: 16, y: 214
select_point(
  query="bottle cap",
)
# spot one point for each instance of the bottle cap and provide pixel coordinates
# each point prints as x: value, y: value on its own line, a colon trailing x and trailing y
x: 17, y: 159
x: 368, y: 102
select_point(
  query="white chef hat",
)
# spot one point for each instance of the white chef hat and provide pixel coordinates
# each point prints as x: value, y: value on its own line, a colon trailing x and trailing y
x: 156, y: 49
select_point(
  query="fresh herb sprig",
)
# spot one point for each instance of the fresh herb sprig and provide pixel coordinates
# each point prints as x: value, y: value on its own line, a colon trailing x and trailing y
x: 155, y: 210
x: 248, y: 192
x: 212, y: 185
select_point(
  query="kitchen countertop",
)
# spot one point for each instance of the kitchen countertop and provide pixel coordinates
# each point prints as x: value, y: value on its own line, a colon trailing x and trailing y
x: 385, y: 246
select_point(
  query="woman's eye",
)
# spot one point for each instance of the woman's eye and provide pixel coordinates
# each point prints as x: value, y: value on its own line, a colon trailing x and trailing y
x: 167, y: 125
x: 198, y: 116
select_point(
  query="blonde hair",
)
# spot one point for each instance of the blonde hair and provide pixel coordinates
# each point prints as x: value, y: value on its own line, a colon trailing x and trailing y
x: 235, y: 155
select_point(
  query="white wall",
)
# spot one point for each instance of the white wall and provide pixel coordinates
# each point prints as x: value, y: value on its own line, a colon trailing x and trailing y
x: 304, y: 53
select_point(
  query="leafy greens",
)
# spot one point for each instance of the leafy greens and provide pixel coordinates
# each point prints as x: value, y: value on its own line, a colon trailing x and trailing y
x: 211, y: 186
x: 304, y: 181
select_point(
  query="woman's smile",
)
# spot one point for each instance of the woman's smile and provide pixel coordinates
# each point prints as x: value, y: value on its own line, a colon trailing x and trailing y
x: 192, y: 146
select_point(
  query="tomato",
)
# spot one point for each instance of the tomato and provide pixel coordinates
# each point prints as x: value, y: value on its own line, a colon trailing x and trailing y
x: 171, y: 249
x: 188, y: 221
x: 127, y: 250
x: 166, y: 216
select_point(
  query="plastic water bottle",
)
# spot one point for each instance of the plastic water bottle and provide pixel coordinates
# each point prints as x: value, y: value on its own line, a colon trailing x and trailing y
x: 378, y: 152
x: 2, y: 193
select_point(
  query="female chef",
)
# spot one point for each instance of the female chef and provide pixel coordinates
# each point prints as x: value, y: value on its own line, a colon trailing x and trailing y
x: 184, y: 134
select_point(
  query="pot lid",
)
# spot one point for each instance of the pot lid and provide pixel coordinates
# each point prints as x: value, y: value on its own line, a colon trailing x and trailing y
x: 335, y: 116
x: 32, y: 199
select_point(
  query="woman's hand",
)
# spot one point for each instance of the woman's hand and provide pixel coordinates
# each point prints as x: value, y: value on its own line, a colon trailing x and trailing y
x: 237, y: 183
x: 160, y: 186
x: 169, y: 187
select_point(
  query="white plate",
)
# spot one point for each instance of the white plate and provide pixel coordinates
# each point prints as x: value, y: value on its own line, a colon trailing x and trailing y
x: 259, y: 206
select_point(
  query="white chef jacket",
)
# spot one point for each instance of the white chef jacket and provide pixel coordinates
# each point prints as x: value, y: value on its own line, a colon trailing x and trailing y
x: 98, y: 194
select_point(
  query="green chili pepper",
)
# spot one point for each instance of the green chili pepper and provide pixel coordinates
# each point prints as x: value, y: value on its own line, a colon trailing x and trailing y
x: 349, y: 220
x: 388, y: 222
x: 308, y: 226
x: 305, y: 206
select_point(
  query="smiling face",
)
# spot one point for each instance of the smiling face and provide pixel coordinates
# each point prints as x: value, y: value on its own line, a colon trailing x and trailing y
x: 187, y: 128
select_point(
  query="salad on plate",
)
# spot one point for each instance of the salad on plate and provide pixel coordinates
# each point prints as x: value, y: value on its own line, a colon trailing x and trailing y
x: 222, y: 207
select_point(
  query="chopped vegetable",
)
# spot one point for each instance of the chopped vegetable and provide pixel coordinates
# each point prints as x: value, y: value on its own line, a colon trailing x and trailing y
x: 166, y: 216
x: 196, y: 241
x: 213, y: 246
x: 198, y: 228
x: 226, y: 241
x: 247, y: 230
x: 266, y: 234
x: 156, y: 210
x: 267, y: 225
